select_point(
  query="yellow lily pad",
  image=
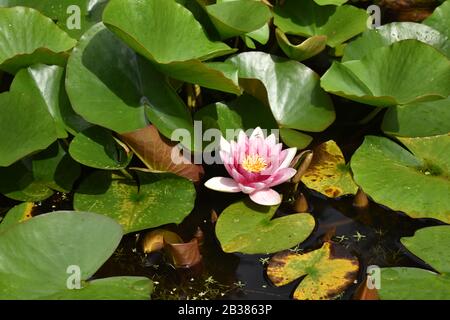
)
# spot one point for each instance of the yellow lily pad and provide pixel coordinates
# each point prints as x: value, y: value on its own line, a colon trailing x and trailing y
x: 329, y: 271
x: 328, y: 172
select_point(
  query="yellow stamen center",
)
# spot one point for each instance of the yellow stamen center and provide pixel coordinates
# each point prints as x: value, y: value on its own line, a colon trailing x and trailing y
x: 254, y: 163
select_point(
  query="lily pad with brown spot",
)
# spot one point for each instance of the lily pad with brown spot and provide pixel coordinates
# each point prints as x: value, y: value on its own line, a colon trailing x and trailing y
x: 328, y: 271
x: 328, y: 173
x: 17, y: 214
x: 249, y: 228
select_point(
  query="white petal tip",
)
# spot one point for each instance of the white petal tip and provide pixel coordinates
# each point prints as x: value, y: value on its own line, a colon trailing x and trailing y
x: 222, y: 184
x: 266, y: 197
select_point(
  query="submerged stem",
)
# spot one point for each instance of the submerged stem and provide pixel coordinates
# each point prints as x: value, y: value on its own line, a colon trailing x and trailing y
x: 371, y: 115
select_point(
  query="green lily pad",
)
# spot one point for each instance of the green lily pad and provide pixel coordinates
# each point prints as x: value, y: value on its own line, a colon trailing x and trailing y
x: 440, y: 19
x: 158, y: 199
x: 69, y: 239
x: 25, y: 126
x: 46, y: 85
x: 121, y: 85
x: 35, y: 112
x: 90, y: 12
x: 328, y: 173
x: 36, y: 178
x: 262, y: 35
x: 302, y: 105
x: 307, y: 18
x: 392, y: 75
x: 421, y: 119
x: 177, y: 42
x: 97, y: 148
x: 112, y: 288
x: 249, y: 228
x: 240, y: 114
x: 156, y: 152
x: 30, y: 38
x: 329, y: 271
x: 305, y: 50
x: 231, y: 18
x: 394, y: 32
x: 330, y: 2
x: 20, y: 213
x: 415, y: 182
x: 295, y: 139
x: 236, y: 114
x: 430, y: 245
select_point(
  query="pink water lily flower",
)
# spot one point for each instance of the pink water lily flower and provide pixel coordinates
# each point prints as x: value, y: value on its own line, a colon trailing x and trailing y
x: 255, y: 164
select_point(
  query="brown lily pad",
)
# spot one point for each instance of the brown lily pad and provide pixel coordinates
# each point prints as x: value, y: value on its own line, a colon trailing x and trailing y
x: 156, y: 239
x: 156, y: 151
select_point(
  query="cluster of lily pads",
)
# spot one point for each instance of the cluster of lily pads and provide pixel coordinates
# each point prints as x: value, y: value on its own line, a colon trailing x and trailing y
x: 90, y: 111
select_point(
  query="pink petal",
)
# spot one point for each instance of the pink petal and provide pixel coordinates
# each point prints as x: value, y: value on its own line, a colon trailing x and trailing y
x: 222, y: 184
x: 258, y: 185
x: 246, y: 189
x: 224, y: 145
x: 242, y: 138
x: 236, y: 175
x: 266, y: 197
x: 289, y: 155
x: 271, y: 140
x: 226, y: 157
x: 282, y: 175
x: 257, y: 133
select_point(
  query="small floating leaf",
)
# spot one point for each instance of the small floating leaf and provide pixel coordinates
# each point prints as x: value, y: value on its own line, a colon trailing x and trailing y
x: 295, y: 139
x: 95, y: 147
x: 249, y: 228
x: 17, y: 214
x: 36, y: 178
x: 185, y: 255
x: 158, y: 199
x: 328, y: 270
x: 415, y: 181
x: 401, y: 283
x: 328, y: 173
x: 305, y: 50
x: 156, y: 240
